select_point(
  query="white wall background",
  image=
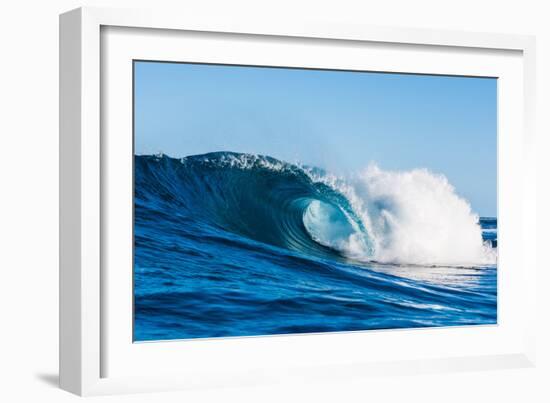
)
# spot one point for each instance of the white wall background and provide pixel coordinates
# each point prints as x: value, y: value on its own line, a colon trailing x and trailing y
x: 29, y: 201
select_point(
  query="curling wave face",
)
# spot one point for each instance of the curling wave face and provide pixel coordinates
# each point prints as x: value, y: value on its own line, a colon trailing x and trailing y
x: 412, y: 217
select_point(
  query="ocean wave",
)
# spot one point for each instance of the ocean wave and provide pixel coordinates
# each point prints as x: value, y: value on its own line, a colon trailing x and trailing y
x: 410, y: 217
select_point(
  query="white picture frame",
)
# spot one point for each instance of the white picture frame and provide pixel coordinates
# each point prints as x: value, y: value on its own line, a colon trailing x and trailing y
x: 96, y: 354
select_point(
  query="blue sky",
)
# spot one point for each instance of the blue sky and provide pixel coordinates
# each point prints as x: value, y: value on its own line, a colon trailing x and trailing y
x: 336, y: 120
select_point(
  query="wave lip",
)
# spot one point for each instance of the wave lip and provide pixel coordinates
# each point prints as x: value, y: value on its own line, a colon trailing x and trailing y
x: 412, y: 217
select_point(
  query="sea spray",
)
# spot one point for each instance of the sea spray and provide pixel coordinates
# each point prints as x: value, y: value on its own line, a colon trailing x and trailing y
x: 411, y: 217
x: 417, y: 217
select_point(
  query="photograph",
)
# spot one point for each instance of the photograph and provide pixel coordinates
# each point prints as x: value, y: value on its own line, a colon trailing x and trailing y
x: 274, y: 200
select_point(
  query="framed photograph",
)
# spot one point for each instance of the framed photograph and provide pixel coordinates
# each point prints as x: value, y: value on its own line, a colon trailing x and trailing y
x: 249, y: 202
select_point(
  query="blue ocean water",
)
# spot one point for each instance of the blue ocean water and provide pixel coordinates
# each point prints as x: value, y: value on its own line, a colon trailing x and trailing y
x: 229, y: 244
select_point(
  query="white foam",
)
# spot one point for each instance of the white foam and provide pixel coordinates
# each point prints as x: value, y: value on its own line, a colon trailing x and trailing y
x: 413, y: 217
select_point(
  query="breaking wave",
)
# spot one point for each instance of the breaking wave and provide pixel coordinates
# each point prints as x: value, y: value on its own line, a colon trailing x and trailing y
x: 395, y: 217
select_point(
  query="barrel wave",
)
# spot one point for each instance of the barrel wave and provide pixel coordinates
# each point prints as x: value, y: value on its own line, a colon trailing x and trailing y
x: 231, y: 244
